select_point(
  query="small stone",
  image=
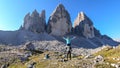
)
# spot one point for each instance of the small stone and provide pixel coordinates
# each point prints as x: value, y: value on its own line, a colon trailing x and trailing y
x: 4, y: 66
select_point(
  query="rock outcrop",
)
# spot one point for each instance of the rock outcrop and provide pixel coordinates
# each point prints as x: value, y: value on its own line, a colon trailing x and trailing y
x: 84, y: 26
x: 59, y: 22
x: 29, y: 46
x: 99, y: 59
x: 35, y: 22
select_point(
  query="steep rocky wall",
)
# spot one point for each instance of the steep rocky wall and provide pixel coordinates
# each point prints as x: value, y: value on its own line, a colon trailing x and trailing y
x: 35, y: 22
x: 84, y: 26
x: 59, y: 22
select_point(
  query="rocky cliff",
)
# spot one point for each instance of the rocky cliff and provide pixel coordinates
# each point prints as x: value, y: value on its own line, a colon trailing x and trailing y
x: 35, y: 22
x: 84, y: 26
x: 59, y: 22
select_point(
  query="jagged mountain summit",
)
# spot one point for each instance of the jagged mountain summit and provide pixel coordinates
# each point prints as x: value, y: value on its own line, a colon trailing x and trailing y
x: 35, y: 22
x: 34, y: 28
x: 84, y: 26
x: 59, y: 22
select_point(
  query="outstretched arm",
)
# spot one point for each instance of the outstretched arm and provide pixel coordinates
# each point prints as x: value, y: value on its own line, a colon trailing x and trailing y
x: 64, y: 38
x: 73, y: 38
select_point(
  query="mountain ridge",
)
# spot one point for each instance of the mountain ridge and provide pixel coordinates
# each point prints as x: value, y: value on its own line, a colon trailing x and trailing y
x: 59, y: 25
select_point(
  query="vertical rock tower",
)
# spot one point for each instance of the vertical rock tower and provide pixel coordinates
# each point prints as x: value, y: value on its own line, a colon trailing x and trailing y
x: 84, y: 26
x: 59, y: 22
x: 35, y: 22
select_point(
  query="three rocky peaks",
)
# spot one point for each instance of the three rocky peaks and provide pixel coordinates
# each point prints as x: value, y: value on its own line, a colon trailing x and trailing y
x: 59, y: 23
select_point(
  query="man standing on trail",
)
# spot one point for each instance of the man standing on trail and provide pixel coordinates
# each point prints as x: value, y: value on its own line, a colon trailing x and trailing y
x: 68, y: 47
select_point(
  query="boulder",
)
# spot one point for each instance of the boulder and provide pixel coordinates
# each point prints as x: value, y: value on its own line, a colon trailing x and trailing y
x: 23, y: 59
x: 29, y: 46
x: 115, y: 65
x: 99, y: 59
x: 5, y: 66
x: 59, y: 22
x: 31, y: 65
x: 28, y: 54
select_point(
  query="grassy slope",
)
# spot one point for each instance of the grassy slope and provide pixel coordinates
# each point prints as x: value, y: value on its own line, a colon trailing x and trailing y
x: 52, y: 62
x: 76, y: 62
x: 109, y: 53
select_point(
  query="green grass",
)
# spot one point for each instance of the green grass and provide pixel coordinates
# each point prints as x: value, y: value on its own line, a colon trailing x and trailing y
x: 50, y: 63
x: 110, y: 53
x: 17, y: 65
x: 103, y: 66
x: 76, y: 62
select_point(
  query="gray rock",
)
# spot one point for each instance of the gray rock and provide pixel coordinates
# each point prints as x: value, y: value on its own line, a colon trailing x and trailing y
x: 88, y: 56
x: 59, y: 22
x: 50, y: 45
x: 23, y: 58
x: 28, y: 54
x: 61, y: 60
x: 108, y: 41
x: 4, y: 66
x: 35, y: 22
x: 29, y: 46
x: 84, y: 26
x: 97, y: 33
x: 98, y: 59
x: 31, y: 65
x: 115, y: 65
x: 42, y: 14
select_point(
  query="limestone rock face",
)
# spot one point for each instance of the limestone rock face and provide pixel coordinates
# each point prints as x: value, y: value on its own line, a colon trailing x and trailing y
x: 35, y: 22
x: 97, y: 33
x: 84, y: 26
x: 59, y: 22
x: 29, y: 46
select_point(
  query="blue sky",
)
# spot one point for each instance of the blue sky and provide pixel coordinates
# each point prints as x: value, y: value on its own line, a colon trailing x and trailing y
x: 105, y: 14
